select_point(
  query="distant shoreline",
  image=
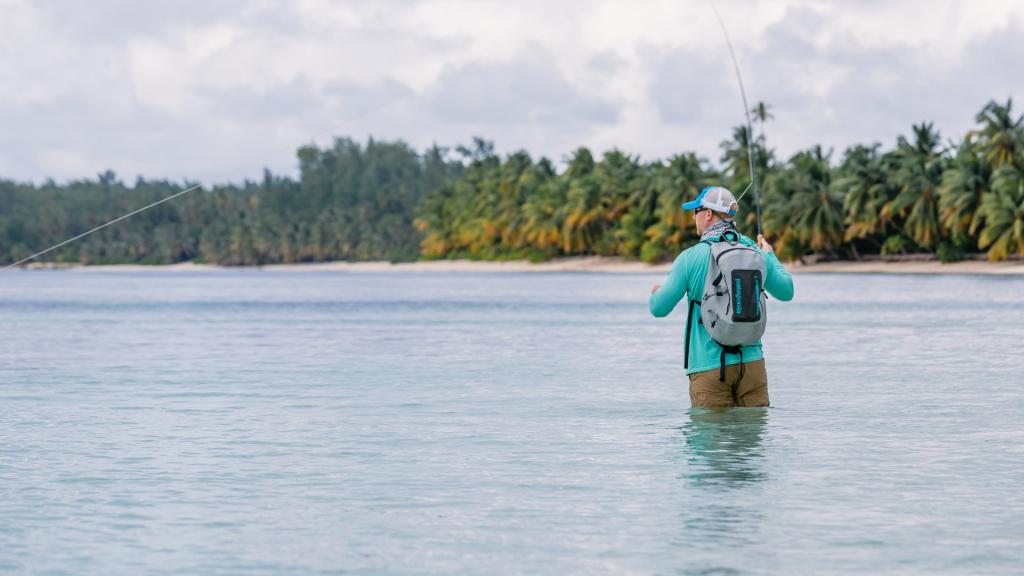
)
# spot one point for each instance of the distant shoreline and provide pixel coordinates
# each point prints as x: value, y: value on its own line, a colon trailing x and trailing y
x: 598, y: 264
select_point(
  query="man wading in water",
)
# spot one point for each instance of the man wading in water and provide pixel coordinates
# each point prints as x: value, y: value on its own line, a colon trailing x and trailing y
x: 731, y: 303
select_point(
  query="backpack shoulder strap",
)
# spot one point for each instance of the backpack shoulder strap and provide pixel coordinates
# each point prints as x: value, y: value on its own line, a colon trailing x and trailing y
x: 689, y: 314
x: 689, y: 326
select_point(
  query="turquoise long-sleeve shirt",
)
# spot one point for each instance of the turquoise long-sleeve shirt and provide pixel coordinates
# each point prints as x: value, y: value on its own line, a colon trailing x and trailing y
x: 687, y: 278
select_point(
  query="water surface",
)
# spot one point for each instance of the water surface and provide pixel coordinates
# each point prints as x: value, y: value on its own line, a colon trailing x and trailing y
x: 246, y: 422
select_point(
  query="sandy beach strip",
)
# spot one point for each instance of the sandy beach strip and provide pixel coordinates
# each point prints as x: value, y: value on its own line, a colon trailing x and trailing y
x: 599, y: 264
x: 573, y: 264
x: 973, y: 267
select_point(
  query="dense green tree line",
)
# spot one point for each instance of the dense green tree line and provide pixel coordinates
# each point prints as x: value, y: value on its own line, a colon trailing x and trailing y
x: 352, y: 202
x: 385, y: 201
x: 923, y: 196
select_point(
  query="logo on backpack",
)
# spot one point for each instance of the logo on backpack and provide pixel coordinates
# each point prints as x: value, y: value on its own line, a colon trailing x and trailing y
x: 738, y: 295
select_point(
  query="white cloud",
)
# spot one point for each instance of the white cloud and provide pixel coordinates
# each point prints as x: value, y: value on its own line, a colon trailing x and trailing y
x: 217, y: 90
x: 527, y: 90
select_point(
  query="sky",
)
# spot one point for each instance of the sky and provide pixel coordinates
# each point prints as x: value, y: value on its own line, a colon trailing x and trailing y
x: 217, y: 90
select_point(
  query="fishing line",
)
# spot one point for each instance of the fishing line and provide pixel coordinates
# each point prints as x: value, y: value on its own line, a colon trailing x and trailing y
x: 100, y: 227
x: 746, y: 112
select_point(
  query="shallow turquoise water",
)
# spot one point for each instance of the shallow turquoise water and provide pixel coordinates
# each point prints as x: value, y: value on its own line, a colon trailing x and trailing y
x: 248, y: 422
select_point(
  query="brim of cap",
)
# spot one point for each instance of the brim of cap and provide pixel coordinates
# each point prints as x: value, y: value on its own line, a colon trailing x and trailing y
x: 693, y: 204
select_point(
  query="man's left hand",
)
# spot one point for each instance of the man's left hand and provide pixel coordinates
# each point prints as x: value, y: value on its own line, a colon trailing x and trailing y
x: 655, y: 289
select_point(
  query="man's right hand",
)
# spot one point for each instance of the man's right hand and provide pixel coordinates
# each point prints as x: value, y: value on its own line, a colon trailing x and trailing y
x: 764, y: 245
x: 655, y: 289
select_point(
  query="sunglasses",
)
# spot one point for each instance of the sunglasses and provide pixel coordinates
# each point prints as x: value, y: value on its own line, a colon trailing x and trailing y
x: 699, y: 210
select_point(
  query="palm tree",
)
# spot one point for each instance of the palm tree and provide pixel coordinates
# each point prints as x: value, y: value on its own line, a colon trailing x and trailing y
x: 539, y: 215
x: 681, y: 180
x: 628, y: 200
x: 615, y: 176
x: 1000, y: 136
x: 580, y: 163
x: 582, y: 225
x: 861, y: 182
x: 918, y: 177
x: 544, y: 214
x: 815, y: 210
x: 736, y: 168
x: 735, y: 157
x: 583, y: 215
x: 762, y: 115
x: 805, y: 212
x: 517, y: 179
x: 581, y: 201
x: 964, y: 185
x: 476, y: 229
x: 1003, y: 233
x: 599, y: 195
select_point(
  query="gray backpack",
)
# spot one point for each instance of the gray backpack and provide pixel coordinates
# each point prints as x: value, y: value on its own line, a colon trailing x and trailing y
x: 732, y: 308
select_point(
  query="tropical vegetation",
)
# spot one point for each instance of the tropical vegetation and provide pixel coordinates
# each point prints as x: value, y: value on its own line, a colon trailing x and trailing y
x: 923, y: 196
x: 351, y: 202
x: 384, y: 200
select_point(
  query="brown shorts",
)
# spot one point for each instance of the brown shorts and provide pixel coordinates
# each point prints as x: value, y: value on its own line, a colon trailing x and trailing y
x: 747, y: 387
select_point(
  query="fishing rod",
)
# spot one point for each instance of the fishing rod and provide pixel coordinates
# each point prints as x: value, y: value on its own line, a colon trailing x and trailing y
x: 100, y: 227
x: 746, y: 112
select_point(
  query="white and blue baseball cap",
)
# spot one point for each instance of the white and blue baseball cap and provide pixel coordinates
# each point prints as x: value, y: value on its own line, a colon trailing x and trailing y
x: 715, y: 198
